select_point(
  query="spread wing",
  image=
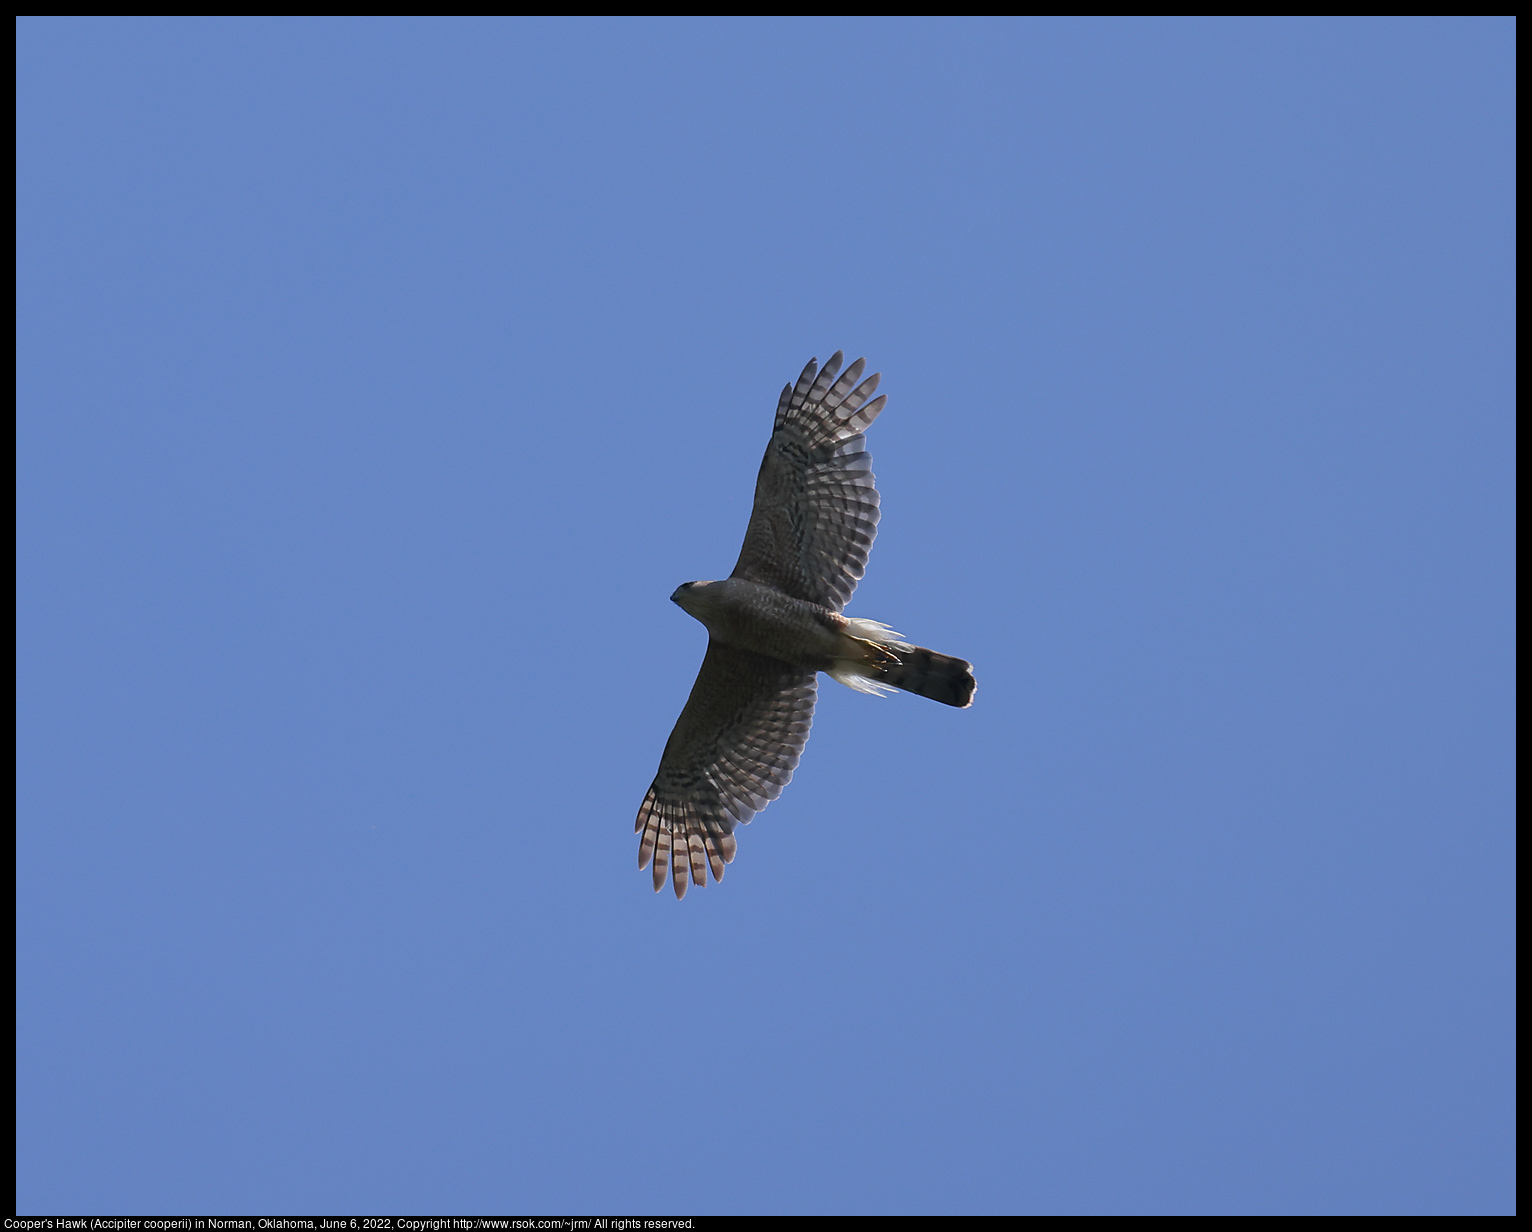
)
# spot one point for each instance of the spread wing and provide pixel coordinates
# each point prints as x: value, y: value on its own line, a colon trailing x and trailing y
x: 816, y: 507
x: 733, y: 749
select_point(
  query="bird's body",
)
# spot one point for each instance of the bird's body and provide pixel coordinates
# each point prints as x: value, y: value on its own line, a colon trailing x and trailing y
x: 766, y: 621
x: 774, y: 624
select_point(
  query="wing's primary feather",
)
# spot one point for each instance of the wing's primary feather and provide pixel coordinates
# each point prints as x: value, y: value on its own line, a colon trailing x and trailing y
x: 732, y: 752
x: 816, y: 504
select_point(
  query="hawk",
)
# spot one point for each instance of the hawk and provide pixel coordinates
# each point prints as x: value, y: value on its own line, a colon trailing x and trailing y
x: 774, y: 623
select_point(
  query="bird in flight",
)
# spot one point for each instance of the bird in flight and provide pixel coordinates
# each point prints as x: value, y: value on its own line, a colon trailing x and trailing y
x: 774, y: 624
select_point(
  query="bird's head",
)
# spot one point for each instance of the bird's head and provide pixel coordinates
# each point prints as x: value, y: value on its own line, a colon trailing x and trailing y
x: 689, y: 596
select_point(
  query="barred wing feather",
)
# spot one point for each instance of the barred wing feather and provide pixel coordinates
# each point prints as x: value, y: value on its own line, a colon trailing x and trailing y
x: 732, y: 752
x: 816, y: 505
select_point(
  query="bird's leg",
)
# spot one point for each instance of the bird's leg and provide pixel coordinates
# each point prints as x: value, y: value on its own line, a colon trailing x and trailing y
x: 877, y: 654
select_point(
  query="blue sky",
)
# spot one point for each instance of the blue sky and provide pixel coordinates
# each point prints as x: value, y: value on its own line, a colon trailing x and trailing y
x: 379, y: 380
